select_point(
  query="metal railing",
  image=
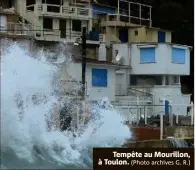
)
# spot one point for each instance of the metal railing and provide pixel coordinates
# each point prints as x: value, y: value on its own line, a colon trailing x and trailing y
x: 129, y: 19
x: 102, y: 37
x: 17, y: 29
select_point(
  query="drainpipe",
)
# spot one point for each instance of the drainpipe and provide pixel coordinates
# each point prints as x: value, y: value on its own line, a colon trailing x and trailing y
x: 129, y: 53
x: 128, y: 71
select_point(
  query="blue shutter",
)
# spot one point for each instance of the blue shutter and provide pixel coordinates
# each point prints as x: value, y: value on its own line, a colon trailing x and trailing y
x: 178, y: 55
x: 161, y: 36
x: 147, y: 55
x: 99, y: 77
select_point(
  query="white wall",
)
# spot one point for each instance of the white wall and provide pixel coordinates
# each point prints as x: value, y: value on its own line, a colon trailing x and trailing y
x: 171, y: 93
x: 123, y: 51
x: 174, y: 95
x: 122, y: 82
x: 95, y: 93
x: 163, y: 64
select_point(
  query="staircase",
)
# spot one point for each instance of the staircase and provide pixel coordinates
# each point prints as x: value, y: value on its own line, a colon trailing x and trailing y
x: 31, y: 17
x: 134, y: 105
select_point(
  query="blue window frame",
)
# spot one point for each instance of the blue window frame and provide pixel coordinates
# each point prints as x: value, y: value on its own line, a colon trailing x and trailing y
x: 147, y: 55
x: 161, y: 36
x: 99, y: 77
x: 178, y: 55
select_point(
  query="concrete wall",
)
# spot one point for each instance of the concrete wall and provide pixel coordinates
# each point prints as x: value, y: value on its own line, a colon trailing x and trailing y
x: 173, y: 94
x: 179, y: 131
x: 112, y: 34
x: 124, y: 51
x: 152, y: 35
x: 166, y: 143
x: 146, y: 35
x: 95, y: 93
x: 162, y: 65
x: 141, y: 37
x: 179, y: 101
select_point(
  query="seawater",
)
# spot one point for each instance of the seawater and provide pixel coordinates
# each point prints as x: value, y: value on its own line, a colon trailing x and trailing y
x: 25, y: 139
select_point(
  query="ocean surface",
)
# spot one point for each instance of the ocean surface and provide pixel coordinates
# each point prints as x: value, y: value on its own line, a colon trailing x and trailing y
x: 27, y: 98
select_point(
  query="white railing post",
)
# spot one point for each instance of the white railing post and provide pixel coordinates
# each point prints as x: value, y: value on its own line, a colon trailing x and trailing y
x: 146, y: 115
x: 138, y: 111
x: 78, y: 123
x: 44, y: 8
x: 177, y: 119
x: 161, y: 126
x: 192, y: 113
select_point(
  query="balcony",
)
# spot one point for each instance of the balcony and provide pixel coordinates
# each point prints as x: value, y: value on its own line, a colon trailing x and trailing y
x: 155, y: 58
x: 127, y: 14
x: 122, y: 20
x: 67, y: 36
x: 16, y: 30
x: 58, y: 11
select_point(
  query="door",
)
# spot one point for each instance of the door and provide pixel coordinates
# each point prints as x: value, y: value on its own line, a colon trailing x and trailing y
x: 63, y: 28
x: 3, y: 23
x: 123, y: 35
x: 161, y: 36
x: 120, y: 79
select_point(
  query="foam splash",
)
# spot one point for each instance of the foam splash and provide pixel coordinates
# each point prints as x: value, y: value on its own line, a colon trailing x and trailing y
x: 27, y: 99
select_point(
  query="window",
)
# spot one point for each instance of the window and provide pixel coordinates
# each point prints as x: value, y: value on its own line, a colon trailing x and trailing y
x: 147, y: 55
x: 10, y: 3
x: 161, y: 36
x: 158, y: 80
x: 136, y: 32
x: 167, y: 80
x: 133, y: 80
x: 3, y: 23
x: 55, y: 2
x: 102, y: 30
x: 99, y: 77
x: 176, y: 80
x: 76, y: 25
x: 30, y: 2
x: 47, y: 23
x: 178, y: 55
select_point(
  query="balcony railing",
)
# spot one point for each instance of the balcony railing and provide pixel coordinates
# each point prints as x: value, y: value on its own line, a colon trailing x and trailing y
x: 17, y: 29
x: 102, y: 37
x: 129, y: 19
x: 59, y: 9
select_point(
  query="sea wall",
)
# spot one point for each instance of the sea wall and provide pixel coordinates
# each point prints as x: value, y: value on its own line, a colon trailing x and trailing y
x: 179, y: 131
x: 141, y: 133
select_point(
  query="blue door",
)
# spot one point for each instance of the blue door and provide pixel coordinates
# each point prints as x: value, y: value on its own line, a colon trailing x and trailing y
x: 123, y: 35
x: 166, y: 107
x: 161, y: 36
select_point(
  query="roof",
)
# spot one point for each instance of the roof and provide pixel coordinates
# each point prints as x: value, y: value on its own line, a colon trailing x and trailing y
x: 97, y: 62
x: 156, y: 28
x: 93, y: 61
x: 154, y: 43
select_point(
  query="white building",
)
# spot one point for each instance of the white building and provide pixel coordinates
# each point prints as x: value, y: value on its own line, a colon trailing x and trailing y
x: 149, y: 67
x: 154, y: 75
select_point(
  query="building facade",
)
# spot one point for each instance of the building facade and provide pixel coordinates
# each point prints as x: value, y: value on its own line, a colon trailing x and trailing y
x: 135, y: 65
x: 13, y: 27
